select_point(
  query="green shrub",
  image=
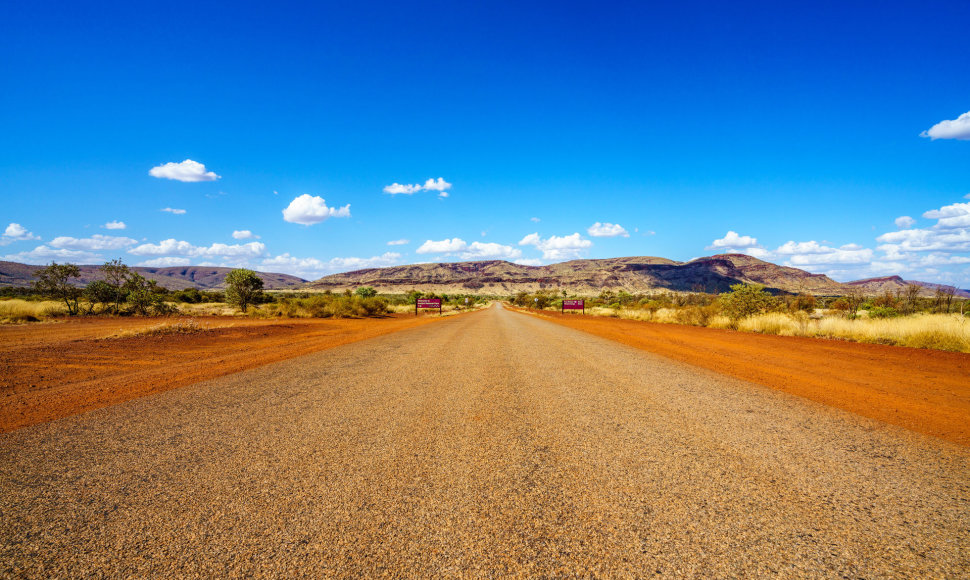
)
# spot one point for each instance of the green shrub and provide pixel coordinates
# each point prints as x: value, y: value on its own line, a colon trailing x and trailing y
x: 883, y: 312
x: 746, y: 300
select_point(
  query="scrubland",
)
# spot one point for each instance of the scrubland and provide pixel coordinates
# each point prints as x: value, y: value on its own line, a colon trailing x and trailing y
x: 918, y: 322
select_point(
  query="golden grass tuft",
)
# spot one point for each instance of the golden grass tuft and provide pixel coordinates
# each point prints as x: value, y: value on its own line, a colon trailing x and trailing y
x: 179, y: 327
x: 16, y: 310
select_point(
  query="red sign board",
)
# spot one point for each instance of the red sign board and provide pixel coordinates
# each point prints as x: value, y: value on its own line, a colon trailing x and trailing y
x: 574, y: 305
x: 427, y: 303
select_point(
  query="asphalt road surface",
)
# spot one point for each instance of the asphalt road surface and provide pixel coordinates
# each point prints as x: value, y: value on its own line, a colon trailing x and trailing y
x: 489, y: 444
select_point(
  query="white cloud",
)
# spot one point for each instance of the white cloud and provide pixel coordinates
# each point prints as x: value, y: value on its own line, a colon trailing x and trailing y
x: 173, y: 247
x: 812, y: 253
x: 558, y: 247
x: 173, y: 210
x: 115, y: 225
x: 45, y: 254
x: 95, y: 242
x: 534, y: 219
x: 442, y: 247
x: 527, y: 262
x: 400, y: 242
x: 188, y: 171
x: 312, y: 209
x: 439, y: 185
x: 606, y: 230
x: 733, y: 240
x: 314, y: 268
x: 16, y: 233
x: 168, y: 262
x: 958, y: 128
x: 244, y: 235
x: 904, y: 221
x: 488, y: 250
x: 396, y: 188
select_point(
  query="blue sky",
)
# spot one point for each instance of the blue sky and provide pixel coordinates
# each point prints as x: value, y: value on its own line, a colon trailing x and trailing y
x: 826, y: 135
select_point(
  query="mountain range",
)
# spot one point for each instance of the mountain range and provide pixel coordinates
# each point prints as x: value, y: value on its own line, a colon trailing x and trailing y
x: 634, y: 274
x: 639, y: 274
x: 173, y: 278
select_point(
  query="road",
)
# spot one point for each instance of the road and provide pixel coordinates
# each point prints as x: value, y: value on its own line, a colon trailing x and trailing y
x: 489, y: 444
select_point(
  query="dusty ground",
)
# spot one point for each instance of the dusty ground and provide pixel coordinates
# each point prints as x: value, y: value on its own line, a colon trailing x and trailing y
x: 488, y: 445
x: 52, y: 370
x: 926, y: 391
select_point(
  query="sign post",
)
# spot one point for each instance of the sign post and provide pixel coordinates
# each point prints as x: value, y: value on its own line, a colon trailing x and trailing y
x: 427, y: 303
x: 573, y: 305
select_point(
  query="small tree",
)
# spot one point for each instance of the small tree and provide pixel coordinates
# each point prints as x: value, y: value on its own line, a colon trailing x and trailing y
x: 366, y: 292
x: 55, y: 281
x: 746, y: 300
x: 144, y: 296
x: 116, y: 275
x: 243, y: 287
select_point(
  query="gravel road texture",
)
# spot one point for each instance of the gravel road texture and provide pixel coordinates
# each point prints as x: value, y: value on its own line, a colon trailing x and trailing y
x: 491, y: 444
x: 927, y: 391
x: 53, y: 370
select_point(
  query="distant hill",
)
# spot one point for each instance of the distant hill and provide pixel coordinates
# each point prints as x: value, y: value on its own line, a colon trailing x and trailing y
x: 173, y: 278
x: 634, y: 274
x: 896, y: 283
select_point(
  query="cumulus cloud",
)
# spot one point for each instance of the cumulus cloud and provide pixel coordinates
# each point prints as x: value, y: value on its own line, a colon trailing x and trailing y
x: 439, y: 185
x: 400, y: 242
x: 244, y: 235
x: 606, y: 230
x: 528, y: 262
x: 958, y: 128
x: 442, y: 246
x: 735, y: 241
x: 168, y: 262
x: 534, y: 219
x: 904, y: 221
x: 436, y: 185
x: 115, y: 225
x: 173, y: 247
x: 314, y: 268
x: 312, y: 209
x: 16, y: 233
x: 489, y: 251
x: 44, y: 254
x: 558, y: 247
x: 94, y: 243
x: 396, y: 188
x: 188, y: 171
x: 812, y: 253
x: 173, y: 210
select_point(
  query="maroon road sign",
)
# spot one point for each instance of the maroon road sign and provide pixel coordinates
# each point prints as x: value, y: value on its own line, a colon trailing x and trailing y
x: 427, y: 303
x: 574, y: 305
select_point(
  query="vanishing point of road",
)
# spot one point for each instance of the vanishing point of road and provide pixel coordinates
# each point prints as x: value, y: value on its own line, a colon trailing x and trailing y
x: 488, y: 444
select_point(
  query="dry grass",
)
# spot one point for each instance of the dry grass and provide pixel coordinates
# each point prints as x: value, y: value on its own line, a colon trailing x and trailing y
x: 936, y: 331
x: 16, y: 310
x: 208, y: 309
x: 179, y: 327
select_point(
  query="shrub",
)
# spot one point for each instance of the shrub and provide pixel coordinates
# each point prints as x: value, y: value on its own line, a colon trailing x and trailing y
x: 883, y: 312
x: 746, y: 300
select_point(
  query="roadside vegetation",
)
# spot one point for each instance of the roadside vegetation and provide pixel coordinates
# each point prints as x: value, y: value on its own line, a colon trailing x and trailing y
x: 906, y: 318
x: 119, y: 291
